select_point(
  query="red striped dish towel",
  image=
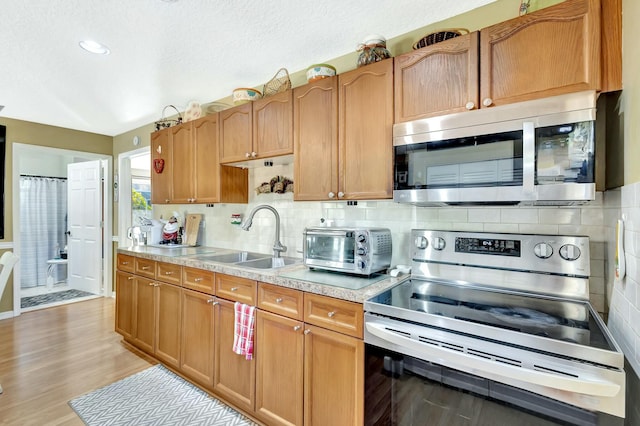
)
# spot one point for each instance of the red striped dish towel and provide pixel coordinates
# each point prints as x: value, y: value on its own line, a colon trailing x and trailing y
x: 243, y: 329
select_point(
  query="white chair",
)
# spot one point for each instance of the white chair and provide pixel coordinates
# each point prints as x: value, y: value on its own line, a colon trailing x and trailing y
x: 7, y: 261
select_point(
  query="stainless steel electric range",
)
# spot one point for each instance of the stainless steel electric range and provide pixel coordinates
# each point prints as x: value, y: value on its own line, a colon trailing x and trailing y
x: 492, y: 329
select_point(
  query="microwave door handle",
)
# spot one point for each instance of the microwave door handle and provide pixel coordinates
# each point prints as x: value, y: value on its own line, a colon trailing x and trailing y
x: 489, y: 369
x: 528, y: 158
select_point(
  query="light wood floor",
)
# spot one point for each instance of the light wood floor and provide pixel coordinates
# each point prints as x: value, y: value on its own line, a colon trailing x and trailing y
x: 51, y: 356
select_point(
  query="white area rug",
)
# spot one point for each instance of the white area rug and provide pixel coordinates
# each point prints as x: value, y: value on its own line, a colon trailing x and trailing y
x: 154, y: 396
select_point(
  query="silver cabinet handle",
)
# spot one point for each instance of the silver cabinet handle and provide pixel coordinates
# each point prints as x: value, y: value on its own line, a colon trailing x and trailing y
x: 169, y: 273
x: 487, y: 102
x: 307, y: 331
x: 197, y: 280
x: 124, y: 263
x: 246, y: 154
x: 340, y: 194
x: 211, y: 300
x: 130, y: 278
x: 234, y: 288
x: 150, y: 284
x: 297, y: 327
x: 331, y: 314
x: 254, y: 154
x: 279, y: 300
x: 166, y: 200
x: 332, y: 195
x: 144, y: 268
x: 470, y: 105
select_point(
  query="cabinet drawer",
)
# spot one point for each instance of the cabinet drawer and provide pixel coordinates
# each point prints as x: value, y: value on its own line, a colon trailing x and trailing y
x: 126, y: 263
x: 335, y: 314
x: 280, y: 300
x: 146, y: 267
x: 237, y: 289
x: 169, y: 273
x: 198, y: 280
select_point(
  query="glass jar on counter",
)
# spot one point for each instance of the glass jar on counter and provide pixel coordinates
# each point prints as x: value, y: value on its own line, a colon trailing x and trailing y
x: 372, y: 49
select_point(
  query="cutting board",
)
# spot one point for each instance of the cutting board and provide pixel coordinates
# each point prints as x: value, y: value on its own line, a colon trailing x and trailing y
x: 192, y: 226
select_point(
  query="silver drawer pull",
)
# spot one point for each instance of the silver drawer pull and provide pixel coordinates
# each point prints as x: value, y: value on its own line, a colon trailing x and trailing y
x: 198, y: 280
x: 124, y: 263
x: 144, y: 268
x: 307, y: 331
x: 130, y: 278
x: 234, y: 288
x: 331, y: 314
x: 279, y: 300
x: 297, y: 327
x: 168, y: 273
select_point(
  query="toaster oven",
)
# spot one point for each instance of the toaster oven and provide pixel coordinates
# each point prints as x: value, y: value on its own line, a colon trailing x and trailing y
x: 361, y: 251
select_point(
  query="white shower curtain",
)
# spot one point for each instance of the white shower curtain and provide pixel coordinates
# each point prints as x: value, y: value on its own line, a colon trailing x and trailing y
x: 43, y: 223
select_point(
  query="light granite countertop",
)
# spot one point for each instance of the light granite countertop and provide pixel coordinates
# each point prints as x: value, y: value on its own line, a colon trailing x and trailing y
x: 296, y: 276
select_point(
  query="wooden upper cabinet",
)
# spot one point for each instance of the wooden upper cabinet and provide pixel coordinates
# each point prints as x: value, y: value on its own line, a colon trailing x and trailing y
x: 549, y: 52
x: 161, y: 183
x: 315, y: 135
x: 365, y: 121
x: 236, y: 133
x: 183, y: 168
x: 438, y: 79
x: 272, y: 126
x: 207, y: 167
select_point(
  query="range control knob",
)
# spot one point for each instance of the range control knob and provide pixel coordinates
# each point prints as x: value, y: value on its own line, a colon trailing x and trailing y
x: 569, y: 252
x: 421, y: 242
x: 543, y: 250
x: 438, y: 243
x: 361, y: 251
x: 362, y: 265
x: 361, y: 238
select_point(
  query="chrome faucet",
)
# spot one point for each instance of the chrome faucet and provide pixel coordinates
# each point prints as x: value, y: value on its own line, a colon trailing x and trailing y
x: 277, y: 245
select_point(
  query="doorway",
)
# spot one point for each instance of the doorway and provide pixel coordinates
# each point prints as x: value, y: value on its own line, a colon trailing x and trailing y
x: 52, y: 162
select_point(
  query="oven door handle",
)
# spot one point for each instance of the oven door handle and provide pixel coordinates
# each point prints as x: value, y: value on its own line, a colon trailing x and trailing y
x: 491, y: 370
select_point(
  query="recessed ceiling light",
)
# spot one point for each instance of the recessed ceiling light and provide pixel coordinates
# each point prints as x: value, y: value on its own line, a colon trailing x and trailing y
x: 94, y: 47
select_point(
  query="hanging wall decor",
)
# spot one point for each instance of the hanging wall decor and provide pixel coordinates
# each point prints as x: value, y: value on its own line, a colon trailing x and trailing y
x: 158, y: 165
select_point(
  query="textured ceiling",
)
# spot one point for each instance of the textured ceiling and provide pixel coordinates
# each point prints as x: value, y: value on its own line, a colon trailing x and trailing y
x: 173, y: 52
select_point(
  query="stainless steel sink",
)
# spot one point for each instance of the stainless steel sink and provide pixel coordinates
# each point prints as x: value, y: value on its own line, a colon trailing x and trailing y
x: 235, y: 257
x: 269, y: 262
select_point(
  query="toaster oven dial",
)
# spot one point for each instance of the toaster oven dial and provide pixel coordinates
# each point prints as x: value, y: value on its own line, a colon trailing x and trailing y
x: 361, y: 238
x: 361, y: 251
x: 362, y: 265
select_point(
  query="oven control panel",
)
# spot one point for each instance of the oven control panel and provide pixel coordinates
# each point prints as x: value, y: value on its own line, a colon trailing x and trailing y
x: 553, y: 254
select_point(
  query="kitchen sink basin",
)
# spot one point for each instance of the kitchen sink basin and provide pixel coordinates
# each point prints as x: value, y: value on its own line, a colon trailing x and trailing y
x: 235, y: 257
x: 269, y: 262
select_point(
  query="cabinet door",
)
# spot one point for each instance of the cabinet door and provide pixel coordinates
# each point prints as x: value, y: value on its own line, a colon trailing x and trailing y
x: 161, y: 173
x: 365, y: 132
x: 182, y: 146
x: 272, y: 125
x: 315, y: 135
x: 197, y: 337
x: 124, y: 303
x: 207, y: 166
x: 234, y: 376
x: 236, y: 133
x: 168, y: 316
x: 549, y: 52
x: 144, y: 321
x: 333, y: 378
x: 438, y: 79
x: 279, y: 369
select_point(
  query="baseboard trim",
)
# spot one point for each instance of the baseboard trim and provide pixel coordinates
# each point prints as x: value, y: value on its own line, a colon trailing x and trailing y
x: 6, y: 315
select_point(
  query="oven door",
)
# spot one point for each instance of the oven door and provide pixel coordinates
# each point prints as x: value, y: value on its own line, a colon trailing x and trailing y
x: 420, y: 372
x: 401, y: 390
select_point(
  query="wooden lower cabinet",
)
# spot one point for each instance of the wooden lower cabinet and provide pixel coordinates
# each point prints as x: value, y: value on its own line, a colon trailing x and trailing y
x: 168, y: 328
x: 144, y: 317
x: 125, y: 286
x: 234, y: 376
x: 333, y: 378
x: 198, y: 336
x: 279, y: 369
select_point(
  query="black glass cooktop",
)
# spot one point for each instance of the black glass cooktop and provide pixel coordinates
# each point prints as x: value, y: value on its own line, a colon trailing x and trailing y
x: 565, y: 320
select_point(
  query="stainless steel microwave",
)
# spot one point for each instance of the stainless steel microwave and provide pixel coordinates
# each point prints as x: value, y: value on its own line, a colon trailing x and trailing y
x: 361, y: 251
x: 534, y: 152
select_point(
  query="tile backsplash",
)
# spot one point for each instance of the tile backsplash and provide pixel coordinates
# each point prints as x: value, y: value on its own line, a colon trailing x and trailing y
x: 400, y: 219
